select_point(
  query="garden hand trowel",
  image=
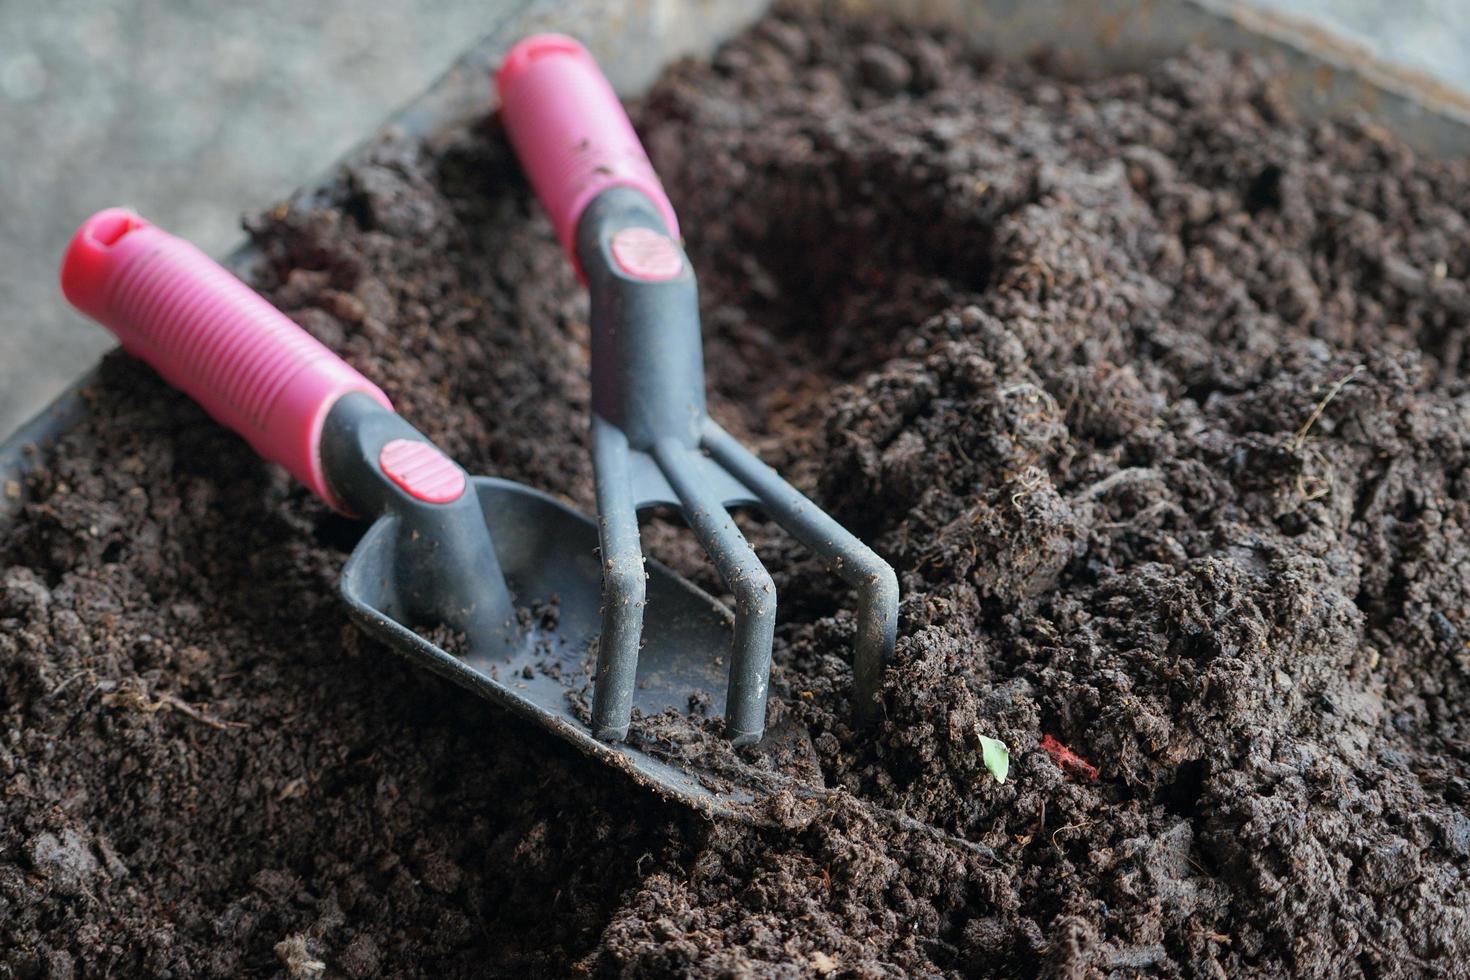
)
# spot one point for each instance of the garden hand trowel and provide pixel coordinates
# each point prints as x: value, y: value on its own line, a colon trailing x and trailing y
x: 444, y: 549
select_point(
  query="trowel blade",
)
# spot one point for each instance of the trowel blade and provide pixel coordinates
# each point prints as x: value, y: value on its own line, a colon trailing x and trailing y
x: 549, y: 554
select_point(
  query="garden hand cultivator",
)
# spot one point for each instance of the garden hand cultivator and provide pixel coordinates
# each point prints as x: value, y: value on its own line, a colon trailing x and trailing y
x: 653, y: 443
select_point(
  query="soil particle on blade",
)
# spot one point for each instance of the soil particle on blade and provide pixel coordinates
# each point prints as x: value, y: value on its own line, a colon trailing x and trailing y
x: 1152, y: 393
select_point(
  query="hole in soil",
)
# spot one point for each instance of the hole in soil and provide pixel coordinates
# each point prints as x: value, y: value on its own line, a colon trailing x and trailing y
x: 1293, y: 524
x: 109, y: 229
x: 1264, y: 191
x: 339, y: 532
x: 356, y: 206
x: 1181, y: 795
x: 847, y: 285
x: 839, y: 264
x: 113, y: 553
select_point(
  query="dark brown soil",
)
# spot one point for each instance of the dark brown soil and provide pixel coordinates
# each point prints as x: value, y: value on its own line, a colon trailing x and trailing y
x: 1152, y: 393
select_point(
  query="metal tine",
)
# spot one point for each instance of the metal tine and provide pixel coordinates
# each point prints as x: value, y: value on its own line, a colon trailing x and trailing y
x: 747, y: 580
x: 624, y: 584
x: 846, y: 556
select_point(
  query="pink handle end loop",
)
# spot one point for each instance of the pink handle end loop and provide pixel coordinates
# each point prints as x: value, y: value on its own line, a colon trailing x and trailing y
x: 88, y: 257
x: 212, y: 337
x: 571, y: 133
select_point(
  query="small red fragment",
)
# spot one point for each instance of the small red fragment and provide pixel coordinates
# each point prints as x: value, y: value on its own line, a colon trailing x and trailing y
x: 1069, y: 761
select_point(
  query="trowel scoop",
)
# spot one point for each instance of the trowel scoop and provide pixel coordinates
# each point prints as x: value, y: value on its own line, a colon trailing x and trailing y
x: 445, y: 550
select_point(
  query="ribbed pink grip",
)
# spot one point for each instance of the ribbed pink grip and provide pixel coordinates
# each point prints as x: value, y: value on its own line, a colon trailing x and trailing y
x: 212, y: 337
x: 571, y: 132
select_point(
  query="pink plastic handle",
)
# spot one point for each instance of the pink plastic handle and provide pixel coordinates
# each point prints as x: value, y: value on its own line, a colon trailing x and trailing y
x: 212, y: 337
x: 571, y: 132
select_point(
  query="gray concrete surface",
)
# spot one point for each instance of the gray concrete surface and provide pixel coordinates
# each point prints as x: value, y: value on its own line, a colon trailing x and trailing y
x: 190, y: 111
x: 194, y: 111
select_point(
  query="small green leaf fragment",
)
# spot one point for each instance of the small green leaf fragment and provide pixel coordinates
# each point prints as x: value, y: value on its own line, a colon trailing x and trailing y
x: 996, y: 756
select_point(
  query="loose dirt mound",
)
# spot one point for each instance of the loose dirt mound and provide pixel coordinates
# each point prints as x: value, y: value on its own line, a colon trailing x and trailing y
x: 1151, y: 392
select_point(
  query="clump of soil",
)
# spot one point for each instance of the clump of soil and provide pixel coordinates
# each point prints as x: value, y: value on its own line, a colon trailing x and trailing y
x: 1151, y: 391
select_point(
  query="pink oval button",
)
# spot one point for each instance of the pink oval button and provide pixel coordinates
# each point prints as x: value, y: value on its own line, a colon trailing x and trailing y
x: 422, y: 471
x: 646, y: 254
